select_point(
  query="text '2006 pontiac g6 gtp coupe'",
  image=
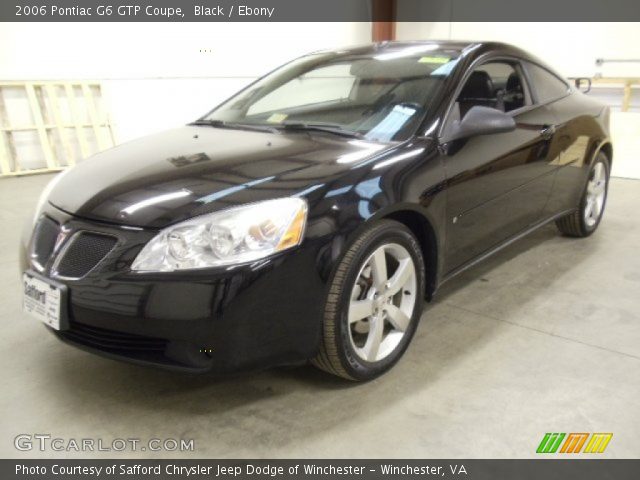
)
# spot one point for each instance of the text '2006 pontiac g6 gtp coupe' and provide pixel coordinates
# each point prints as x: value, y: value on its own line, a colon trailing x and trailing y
x: 308, y: 217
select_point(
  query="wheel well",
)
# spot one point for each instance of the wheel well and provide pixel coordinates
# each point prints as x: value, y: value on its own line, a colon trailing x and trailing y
x: 607, y: 149
x: 425, y: 234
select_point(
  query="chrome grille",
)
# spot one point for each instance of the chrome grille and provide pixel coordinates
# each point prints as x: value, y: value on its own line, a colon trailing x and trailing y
x: 83, y: 252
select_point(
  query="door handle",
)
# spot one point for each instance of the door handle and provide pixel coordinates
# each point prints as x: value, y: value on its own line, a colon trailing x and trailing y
x: 548, y: 131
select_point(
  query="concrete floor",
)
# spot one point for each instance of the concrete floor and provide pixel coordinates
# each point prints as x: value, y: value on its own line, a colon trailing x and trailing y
x: 544, y: 337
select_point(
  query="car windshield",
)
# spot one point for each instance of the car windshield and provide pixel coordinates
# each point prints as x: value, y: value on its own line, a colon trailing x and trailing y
x: 381, y: 97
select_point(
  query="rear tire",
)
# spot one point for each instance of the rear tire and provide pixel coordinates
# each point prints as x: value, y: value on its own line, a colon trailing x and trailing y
x: 374, y: 303
x: 585, y: 220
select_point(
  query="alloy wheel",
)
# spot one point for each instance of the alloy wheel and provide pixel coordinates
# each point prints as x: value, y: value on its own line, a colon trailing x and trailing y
x: 596, y: 191
x: 382, y: 302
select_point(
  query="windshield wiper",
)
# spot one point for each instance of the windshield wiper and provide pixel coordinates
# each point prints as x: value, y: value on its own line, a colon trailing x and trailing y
x: 210, y: 123
x: 233, y: 125
x: 300, y: 126
x: 321, y: 127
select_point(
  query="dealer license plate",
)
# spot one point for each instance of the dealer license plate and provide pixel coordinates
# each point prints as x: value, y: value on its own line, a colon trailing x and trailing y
x: 42, y: 299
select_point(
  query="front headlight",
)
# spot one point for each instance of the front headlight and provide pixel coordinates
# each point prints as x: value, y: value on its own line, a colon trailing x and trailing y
x: 237, y: 235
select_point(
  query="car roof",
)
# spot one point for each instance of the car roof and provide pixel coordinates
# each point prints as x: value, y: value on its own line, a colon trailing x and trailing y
x: 478, y: 47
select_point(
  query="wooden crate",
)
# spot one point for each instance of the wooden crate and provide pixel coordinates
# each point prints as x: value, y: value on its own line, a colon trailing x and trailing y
x: 66, y: 117
x: 625, y: 83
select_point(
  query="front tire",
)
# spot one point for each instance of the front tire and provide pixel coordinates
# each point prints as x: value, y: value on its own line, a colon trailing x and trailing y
x: 374, y: 303
x: 585, y: 220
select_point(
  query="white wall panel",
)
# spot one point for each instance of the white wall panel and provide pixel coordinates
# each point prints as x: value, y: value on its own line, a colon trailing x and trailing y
x: 156, y: 75
x: 572, y: 48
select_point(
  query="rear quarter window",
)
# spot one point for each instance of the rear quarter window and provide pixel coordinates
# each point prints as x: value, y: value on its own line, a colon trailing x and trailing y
x: 547, y: 86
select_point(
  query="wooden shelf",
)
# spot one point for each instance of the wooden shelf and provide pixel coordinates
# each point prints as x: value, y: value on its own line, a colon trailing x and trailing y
x: 42, y: 99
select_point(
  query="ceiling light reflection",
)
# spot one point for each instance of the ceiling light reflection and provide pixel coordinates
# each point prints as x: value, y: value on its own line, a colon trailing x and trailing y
x: 406, y: 52
x: 155, y: 200
x: 397, y: 158
x: 367, y: 149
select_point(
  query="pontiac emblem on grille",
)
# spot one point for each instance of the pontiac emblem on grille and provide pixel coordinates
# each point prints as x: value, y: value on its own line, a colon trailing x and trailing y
x: 62, y: 235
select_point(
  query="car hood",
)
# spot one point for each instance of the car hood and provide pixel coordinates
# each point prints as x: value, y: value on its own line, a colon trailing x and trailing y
x: 168, y: 177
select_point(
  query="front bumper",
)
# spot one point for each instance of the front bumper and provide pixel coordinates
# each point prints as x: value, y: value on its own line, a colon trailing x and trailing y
x: 225, y: 319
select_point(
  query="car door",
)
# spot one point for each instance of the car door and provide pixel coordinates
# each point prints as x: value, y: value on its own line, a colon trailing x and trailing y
x: 497, y: 184
x: 575, y: 135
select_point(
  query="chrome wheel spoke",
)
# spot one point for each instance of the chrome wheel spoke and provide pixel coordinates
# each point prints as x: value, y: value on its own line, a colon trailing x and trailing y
x: 401, y: 276
x: 397, y: 318
x: 598, y: 172
x: 596, y: 192
x: 588, y: 211
x: 359, y: 309
x: 379, y: 268
x: 597, y: 206
x: 372, y: 345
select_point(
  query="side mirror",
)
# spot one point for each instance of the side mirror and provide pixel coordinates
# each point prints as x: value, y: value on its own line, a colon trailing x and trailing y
x: 482, y: 121
x: 583, y: 84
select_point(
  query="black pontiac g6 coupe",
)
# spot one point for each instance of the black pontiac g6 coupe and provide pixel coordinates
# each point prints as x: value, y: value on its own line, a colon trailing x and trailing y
x: 308, y: 217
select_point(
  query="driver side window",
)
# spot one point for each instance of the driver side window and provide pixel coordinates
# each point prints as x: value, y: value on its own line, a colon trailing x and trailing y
x: 496, y: 85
